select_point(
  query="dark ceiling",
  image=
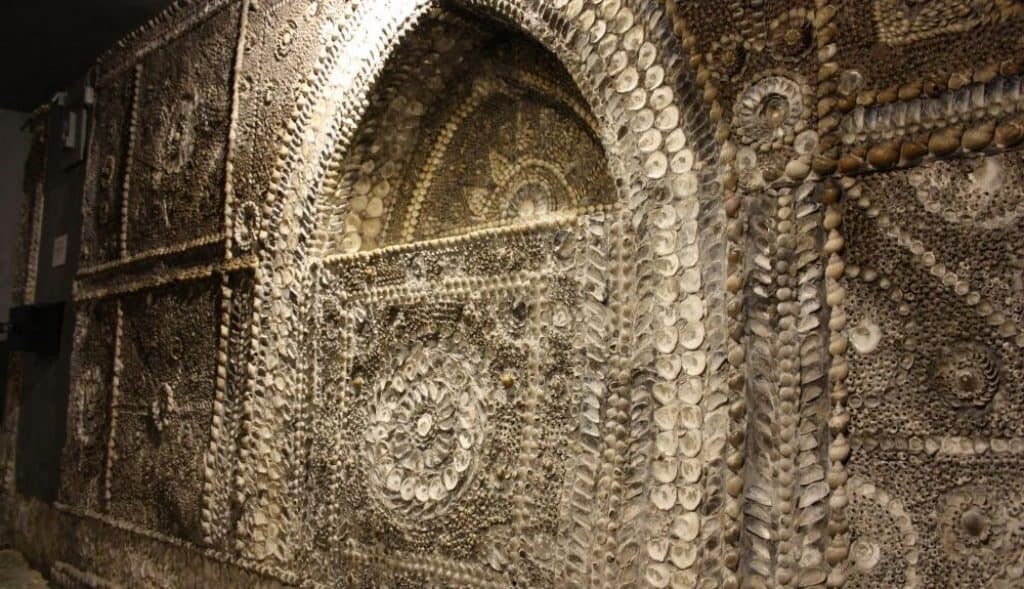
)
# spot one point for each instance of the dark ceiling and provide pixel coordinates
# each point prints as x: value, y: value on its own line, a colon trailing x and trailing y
x: 45, y: 45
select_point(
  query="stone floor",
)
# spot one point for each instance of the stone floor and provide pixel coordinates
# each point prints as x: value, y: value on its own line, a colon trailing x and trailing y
x: 15, y: 572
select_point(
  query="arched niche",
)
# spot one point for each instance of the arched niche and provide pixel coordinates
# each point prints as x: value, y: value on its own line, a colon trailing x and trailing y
x: 566, y: 313
x: 472, y: 126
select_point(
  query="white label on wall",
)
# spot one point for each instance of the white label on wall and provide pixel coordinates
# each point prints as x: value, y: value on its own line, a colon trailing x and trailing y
x: 60, y: 250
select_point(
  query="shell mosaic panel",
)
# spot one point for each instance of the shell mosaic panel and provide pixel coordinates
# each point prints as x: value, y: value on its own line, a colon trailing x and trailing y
x: 176, y: 184
x: 163, y: 409
x: 893, y: 42
x: 83, y: 462
x: 102, y: 206
x: 443, y: 421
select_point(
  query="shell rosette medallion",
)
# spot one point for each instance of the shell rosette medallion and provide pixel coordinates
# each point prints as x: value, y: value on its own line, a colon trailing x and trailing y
x: 425, y: 430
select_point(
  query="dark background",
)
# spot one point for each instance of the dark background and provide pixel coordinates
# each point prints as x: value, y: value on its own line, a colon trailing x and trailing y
x: 46, y: 45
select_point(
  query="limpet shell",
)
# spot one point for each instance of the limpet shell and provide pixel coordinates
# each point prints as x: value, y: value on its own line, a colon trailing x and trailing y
x: 675, y: 141
x: 654, y: 76
x: 684, y: 185
x: 682, y: 161
x: 664, y: 392
x: 691, y: 391
x: 666, y: 443
x: 690, y: 416
x: 690, y: 443
x: 636, y: 100
x: 642, y: 120
x: 664, y: 243
x: 667, y: 265
x: 664, y: 217
x: 617, y: 62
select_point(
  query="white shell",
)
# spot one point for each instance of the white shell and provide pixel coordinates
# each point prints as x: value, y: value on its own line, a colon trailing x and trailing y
x: 683, y: 554
x: 658, y: 575
x: 690, y: 443
x: 686, y: 526
x: 665, y: 340
x: 865, y: 337
x: 668, y: 367
x: 664, y: 471
x: 657, y: 548
x: 690, y: 496
x: 666, y: 417
x: 664, y: 497
x: 691, y: 336
x: 694, y: 363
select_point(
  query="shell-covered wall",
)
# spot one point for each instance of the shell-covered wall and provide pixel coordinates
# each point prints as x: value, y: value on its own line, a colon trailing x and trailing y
x: 551, y: 293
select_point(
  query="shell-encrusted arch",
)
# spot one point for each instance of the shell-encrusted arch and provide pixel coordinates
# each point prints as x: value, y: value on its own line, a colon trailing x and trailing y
x: 633, y: 72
